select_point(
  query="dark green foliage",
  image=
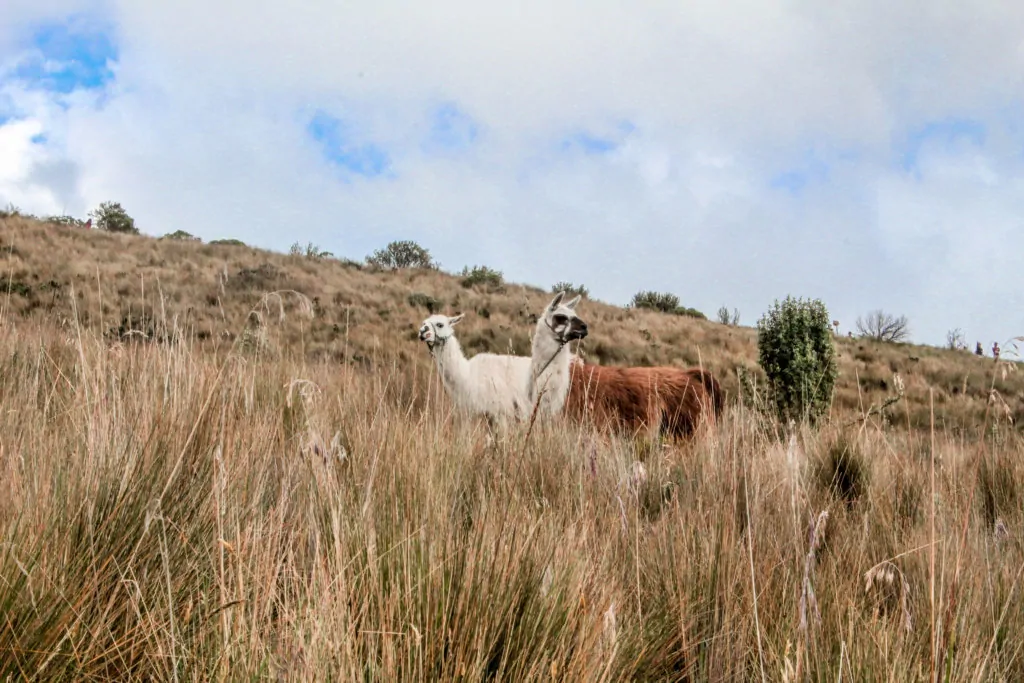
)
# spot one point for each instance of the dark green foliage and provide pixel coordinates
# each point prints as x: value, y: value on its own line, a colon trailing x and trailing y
x: 657, y: 301
x: 181, y: 235
x: 402, y: 254
x: 570, y: 289
x: 690, y: 313
x: 726, y: 318
x: 110, y: 216
x: 17, y: 287
x: 482, y: 276
x: 796, y: 352
x: 228, y: 243
x: 664, y: 302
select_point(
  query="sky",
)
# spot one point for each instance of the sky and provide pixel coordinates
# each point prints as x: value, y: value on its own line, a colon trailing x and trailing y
x: 867, y: 153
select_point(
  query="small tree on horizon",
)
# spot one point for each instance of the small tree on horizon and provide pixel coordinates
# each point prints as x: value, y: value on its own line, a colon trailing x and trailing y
x: 884, y: 327
x: 402, y: 254
x: 955, y: 340
x: 726, y: 318
x: 112, y: 217
x: 570, y: 289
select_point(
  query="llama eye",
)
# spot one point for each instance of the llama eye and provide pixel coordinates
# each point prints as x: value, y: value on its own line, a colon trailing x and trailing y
x: 560, y: 319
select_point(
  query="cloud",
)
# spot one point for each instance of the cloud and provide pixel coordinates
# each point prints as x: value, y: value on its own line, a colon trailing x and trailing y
x: 867, y: 153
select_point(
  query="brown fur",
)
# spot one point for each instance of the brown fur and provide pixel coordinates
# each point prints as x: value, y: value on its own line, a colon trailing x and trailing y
x: 633, y: 399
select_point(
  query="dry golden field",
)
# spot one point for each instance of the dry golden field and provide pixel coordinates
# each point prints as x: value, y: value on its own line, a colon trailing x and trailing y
x: 290, y: 498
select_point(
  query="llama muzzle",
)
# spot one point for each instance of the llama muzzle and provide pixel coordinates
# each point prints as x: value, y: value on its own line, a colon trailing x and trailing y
x: 577, y: 330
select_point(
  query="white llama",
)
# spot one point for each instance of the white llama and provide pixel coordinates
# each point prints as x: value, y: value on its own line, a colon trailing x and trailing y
x: 498, y: 386
x: 488, y: 384
x: 548, y: 384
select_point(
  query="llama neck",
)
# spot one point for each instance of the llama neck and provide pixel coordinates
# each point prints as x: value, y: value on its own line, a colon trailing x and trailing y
x: 549, y: 369
x: 453, y: 366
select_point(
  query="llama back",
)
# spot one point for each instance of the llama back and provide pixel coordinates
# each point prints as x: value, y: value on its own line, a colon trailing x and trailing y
x: 637, y: 398
x: 610, y: 396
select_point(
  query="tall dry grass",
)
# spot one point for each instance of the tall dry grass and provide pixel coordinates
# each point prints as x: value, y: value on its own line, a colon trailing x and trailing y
x: 168, y: 514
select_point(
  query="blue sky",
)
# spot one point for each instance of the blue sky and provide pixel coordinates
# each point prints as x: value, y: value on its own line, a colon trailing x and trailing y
x: 729, y: 154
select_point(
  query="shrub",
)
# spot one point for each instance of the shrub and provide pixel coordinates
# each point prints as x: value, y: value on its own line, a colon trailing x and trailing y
x: 955, y: 340
x: 796, y: 352
x: 110, y: 216
x: 570, y: 289
x: 664, y: 302
x: 883, y: 327
x: 68, y: 221
x: 725, y: 318
x: 419, y: 299
x: 228, y: 243
x: 182, y: 236
x: 402, y: 254
x: 657, y: 301
x: 310, y: 251
x: 483, y: 276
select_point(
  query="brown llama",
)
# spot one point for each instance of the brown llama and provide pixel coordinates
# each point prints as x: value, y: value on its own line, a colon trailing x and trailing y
x: 631, y: 400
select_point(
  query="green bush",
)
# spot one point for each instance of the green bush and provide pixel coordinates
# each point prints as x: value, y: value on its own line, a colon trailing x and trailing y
x: 110, y: 216
x: 402, y: 254
x: 664, y: 302
x: 570, y: 289
x: 657, y: 301
x: 228, y: 243
x: 182, y: 236
x: 482, y: 276
x: 726, y: 318
x: 795, y: 349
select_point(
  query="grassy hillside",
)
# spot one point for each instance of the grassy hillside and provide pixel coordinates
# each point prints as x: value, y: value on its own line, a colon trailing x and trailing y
x: 353, y: 315
x: 304, y: 506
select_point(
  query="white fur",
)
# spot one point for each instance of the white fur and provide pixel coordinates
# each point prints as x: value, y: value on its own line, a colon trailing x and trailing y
x: 487, y: 384
x: 501, y: 386
x: 550, y: 358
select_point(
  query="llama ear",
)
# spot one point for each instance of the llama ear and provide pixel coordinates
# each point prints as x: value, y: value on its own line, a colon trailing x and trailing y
x: 455, y: 321
x: 557, y: 300
x: 572, y: 302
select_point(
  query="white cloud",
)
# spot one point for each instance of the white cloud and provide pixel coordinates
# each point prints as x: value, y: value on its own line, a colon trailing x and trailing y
x: 203, y: 130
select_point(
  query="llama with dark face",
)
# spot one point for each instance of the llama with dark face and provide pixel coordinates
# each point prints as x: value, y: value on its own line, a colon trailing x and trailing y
x: 550, y: 358
x: 628, y: 400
